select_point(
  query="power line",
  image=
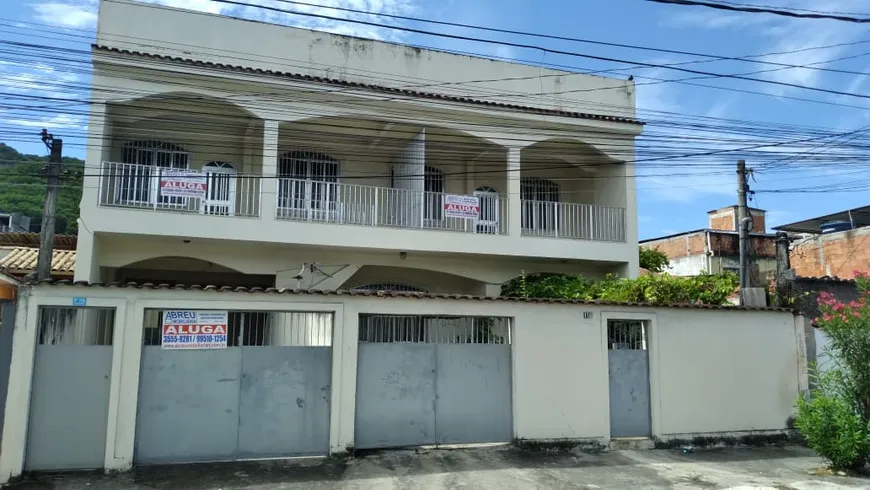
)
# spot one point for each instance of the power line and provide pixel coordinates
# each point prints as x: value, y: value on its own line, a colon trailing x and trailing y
x: 542, y: 48
x: 764, y: 10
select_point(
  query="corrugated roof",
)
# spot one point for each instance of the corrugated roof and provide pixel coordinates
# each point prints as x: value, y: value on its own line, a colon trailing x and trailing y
x: 23, y: 260
x: 368, y: 86
x: 394, y: 294
x: 20, y: 239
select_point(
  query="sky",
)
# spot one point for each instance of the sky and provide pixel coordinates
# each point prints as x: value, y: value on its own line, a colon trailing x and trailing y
x: 672, y: 197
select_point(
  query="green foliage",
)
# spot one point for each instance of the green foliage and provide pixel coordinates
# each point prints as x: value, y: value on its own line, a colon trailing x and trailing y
x: 835, y: 420
x: 832, y: 424
x: 22, y: 189
x: 654, y: 289
x: 653, y: 260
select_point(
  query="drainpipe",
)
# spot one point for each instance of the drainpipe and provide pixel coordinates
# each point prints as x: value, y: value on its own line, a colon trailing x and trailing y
x: 708, y: 252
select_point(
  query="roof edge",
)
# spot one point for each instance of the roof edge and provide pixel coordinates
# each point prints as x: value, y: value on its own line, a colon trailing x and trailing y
x: 374, y: 87
x: 391, y: 294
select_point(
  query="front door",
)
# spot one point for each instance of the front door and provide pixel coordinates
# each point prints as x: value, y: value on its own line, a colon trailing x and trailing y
x: 628, y: 356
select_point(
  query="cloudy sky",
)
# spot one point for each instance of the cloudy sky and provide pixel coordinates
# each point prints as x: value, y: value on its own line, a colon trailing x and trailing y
x: 42, y: 92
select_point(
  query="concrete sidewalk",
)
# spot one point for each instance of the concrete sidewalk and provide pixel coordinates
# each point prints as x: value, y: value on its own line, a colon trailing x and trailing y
x: 500, y: 468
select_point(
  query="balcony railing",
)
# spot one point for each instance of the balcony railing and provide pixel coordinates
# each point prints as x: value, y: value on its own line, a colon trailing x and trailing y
x: 138, y: 186
x: 229, y: 194
x: 570, y: 220
x: 331, y: 202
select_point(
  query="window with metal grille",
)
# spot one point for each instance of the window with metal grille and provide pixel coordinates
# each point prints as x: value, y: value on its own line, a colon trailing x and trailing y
x: 389, y: 286
x: 626, y: 334
x: 313, y: 180
x: 59, y: 325
x: 260, y: 328
x: 434, y: 329
x: 433, y: 185
x: 539, y: 200
x: 136, y: 185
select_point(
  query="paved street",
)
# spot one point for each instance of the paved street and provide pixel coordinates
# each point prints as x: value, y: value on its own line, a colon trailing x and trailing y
x: 499, y: 468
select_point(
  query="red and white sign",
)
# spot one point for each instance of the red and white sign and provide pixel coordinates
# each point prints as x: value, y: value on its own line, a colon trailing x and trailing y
x: 458, y: 206
x: 183, y: 184
x: 193, y: 329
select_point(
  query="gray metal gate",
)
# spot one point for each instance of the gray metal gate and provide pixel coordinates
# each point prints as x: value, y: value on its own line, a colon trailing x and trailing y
x: 265, y: 396
x: 69, y: 401
x: 433, y: 380
x: 628, y: 357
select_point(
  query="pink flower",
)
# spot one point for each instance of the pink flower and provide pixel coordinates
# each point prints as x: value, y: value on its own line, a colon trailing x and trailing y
x: 860, y: 274
x: 856, y: 314
x: 826, y: 317
x: 838, y: 307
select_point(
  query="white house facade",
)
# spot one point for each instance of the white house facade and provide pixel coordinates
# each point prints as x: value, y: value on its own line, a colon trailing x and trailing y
x: 236, y: 153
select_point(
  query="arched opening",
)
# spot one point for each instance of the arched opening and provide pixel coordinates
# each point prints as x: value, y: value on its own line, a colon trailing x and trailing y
x: 387, y: 278
x: 391, y: 173
x: 160, y: 141
x: 570, y: 189
x: 174, y: 270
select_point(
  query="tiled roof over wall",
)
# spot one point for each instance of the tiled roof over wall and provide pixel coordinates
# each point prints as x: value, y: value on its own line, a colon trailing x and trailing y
x: 368, y: 86
x: 24, y: 259
x: 393, y: 294
x: 19, y: 239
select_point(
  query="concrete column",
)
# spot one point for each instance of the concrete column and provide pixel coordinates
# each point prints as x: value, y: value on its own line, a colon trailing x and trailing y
x: 99, y: 150
x: 515, y: 209
x: 87, y: 255
x: 269, y: 183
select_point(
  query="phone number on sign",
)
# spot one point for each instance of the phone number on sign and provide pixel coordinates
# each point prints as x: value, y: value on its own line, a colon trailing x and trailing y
x: 194, y: 339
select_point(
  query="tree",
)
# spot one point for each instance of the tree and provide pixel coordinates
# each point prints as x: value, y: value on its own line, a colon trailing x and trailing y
x: 22, y: 188
x: 653, y: 260
x: 835, y: 419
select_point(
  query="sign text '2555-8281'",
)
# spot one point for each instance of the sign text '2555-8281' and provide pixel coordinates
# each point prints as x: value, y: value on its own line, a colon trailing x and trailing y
x: 194, y: 329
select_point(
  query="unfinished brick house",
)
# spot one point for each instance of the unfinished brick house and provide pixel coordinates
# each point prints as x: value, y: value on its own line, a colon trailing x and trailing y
x: 834, y: 245
x: 715, y: 249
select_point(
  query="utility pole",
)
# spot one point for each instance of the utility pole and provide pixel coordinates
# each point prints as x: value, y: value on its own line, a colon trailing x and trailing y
x: 743, y: 223
x: 46, y: 235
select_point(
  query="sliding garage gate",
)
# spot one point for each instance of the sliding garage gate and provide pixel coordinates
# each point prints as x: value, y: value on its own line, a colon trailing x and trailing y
x: 69, y: 397
x: 266, y: 395
x: 433, y: 380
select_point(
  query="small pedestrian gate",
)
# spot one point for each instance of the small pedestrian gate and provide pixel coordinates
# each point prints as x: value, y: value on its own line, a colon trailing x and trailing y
x: 69, y: 400
x: 628, y: 358
x: 433, y: 380
x: 266, y: 395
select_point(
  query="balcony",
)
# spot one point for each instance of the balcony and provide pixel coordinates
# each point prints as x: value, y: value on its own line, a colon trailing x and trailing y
x: 222, y: 192
x: 348, y: 204
x: 139, y: 186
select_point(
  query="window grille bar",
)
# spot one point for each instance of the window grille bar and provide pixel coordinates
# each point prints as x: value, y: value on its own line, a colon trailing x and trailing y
x: 434, y: 329
x: 76, y: 326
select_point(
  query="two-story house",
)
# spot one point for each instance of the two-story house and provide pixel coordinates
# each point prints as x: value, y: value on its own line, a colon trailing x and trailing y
x: 235, y: 153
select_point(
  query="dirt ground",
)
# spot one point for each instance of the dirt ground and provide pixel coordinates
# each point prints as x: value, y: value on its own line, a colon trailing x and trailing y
x: 775, y: 468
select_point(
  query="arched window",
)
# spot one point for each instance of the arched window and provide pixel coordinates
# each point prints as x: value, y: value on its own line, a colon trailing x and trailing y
x: 138, y: 179
x: 220, y: 198
x: 488, y: 220
x: 433, y: 187
x: 540, y: 198
x: 308, y: 185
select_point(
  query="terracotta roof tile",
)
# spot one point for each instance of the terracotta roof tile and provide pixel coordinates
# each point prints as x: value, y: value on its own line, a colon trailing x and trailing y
x: 20, y: 239
x: 367, y: 86
x: 23, y: 260
x: 397, y: 294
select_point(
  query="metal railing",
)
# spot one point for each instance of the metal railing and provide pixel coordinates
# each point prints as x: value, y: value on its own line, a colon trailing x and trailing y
x: 350, y: 204
x: 138, y: 186
x: 421, y: 329
x: 570, y: 220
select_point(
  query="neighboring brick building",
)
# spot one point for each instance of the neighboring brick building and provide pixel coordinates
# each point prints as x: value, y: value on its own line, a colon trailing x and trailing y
x: 837, y: 254
x: 715, y: 249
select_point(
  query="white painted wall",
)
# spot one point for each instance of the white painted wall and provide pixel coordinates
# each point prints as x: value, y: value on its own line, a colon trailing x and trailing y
x: 711, y: 370
x: 161, y: 30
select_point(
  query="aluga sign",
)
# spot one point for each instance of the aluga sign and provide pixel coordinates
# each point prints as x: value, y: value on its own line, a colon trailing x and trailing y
x: 458, y: 206
x: 183, y: 184
x: 194, y: 329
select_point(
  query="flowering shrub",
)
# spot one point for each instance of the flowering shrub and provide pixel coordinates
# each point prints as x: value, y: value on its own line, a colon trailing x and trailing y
x: 835, y: 420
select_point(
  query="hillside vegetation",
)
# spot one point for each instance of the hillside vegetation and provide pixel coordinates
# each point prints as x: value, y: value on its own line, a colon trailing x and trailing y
x: 22, y: 188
